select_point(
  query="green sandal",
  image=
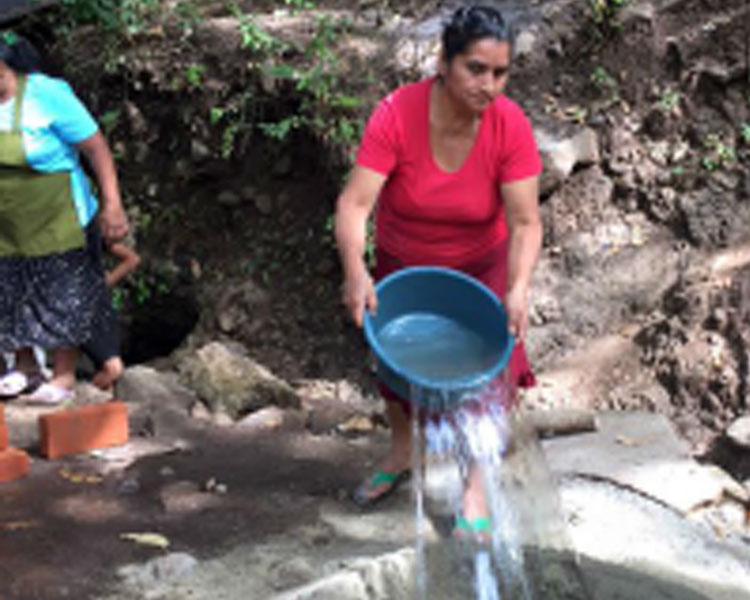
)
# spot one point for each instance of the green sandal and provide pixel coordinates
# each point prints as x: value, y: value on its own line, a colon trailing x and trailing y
x: 362, y: 495
x: 479, y: 528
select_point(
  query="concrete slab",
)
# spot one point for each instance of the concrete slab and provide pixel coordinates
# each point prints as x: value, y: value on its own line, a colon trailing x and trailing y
x: 641, y: 451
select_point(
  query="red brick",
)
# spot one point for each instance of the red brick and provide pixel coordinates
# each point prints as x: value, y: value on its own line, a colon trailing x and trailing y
x: 14, y: 464
x: 3, y: 429
x: 81, y: 429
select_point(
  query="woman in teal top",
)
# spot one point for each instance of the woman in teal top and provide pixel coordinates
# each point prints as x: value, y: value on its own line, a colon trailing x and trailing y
x: 52, y: 288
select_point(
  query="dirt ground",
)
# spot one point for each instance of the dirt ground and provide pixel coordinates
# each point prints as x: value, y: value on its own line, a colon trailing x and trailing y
x: 61, y: 527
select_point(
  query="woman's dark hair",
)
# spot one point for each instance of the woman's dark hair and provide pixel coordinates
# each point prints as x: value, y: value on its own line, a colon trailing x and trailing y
x: 18, y: 53
x: 471, y: 23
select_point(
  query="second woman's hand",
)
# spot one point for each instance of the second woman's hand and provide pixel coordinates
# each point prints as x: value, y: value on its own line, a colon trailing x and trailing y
x: 114, y: 223
x: 359, y: 294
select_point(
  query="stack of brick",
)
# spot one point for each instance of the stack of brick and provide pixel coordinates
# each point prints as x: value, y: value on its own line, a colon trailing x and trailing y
x: 66, y: 432
x: 77, y: 430
x: 14, y: 463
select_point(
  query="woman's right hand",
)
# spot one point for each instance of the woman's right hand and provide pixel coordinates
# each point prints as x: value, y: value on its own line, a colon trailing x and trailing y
x: 359, y: 294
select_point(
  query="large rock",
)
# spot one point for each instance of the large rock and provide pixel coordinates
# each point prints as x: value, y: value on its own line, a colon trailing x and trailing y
x: 227, y: 379
x: 739, y: 432
x: 143, y: 385
x: 561, y: 154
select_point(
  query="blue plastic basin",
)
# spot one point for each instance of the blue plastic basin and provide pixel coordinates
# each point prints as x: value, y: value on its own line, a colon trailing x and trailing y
x: 439, y: 336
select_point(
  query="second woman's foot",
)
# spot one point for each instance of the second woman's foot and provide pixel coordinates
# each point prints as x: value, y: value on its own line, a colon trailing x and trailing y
x: 13, y: 383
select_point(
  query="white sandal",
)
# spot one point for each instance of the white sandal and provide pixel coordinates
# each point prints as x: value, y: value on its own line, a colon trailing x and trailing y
x: 14, y: 383
x: 50, y: 395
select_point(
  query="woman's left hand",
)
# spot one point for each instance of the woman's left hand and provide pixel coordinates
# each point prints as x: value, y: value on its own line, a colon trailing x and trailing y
x: 113, y: 222
x: 517, y: 305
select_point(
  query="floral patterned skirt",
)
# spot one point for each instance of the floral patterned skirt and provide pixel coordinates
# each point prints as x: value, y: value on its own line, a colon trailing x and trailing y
x: 53, y: 301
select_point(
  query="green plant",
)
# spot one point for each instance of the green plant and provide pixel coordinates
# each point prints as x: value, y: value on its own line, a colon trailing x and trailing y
x: 670, y: 100
x: 109, y: 120
x: 605, y: 11
x: 194, y: 73
x: 719, y: 153
x: 603, y: 16
x: 606, y: 84
x: 254, y: 37
x: 745, y: 132
x: 126, y: 16
x: 300, y: 4
x: 325, y: 108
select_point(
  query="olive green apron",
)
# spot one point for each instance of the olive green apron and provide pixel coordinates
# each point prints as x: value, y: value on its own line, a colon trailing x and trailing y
x: 37, y: 211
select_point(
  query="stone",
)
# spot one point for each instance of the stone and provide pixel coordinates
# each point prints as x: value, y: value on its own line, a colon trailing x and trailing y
x: 356, y: 425
x: 561, y: 155
x: 290, y: 573
x: 264, y: 204
x: 242, y: 308
x: 224, y: 377
x: 158, y: 571
x: 198, y: 410
x: 229, y: 198
x: 739, y: 432
x: 145, y: 385
x: 199, y: 151
x: 136, y: 121
x: 183, y: 497
x: 345, y: 585
x: 270, y: 417
x: 525, y: 43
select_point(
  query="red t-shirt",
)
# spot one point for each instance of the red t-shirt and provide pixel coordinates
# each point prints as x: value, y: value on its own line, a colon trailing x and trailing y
x: 425, y: 214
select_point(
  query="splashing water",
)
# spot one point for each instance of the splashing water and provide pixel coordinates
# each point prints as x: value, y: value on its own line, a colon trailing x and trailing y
x: 479, y: 440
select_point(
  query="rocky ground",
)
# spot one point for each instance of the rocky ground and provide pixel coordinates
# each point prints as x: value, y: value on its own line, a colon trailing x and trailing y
x: 260, y: 411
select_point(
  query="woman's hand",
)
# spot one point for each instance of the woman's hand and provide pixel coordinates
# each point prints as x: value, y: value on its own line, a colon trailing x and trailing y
x: 113, y: 222
x: 525, y: 227
x: 517, y: 306
x: 359, y: 294
x: 112, y: 218
x: 352, y: 211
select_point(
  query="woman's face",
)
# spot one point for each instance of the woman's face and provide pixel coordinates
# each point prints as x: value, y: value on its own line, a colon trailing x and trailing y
x: 7, y: 80
x: 478, y: 75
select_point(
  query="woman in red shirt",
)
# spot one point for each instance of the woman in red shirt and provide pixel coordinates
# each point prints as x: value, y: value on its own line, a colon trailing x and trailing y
x: 453, y: 166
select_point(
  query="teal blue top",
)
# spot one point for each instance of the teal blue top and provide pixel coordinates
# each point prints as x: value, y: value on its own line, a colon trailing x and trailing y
x: 53, y: 120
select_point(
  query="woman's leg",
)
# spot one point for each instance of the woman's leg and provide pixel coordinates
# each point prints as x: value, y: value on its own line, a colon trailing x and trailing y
x: 109, y: 372
x: 389, y: 471
x: 399, y: 456
x: 64, y: 375
x: 474, y: 501
x: 26, y: 361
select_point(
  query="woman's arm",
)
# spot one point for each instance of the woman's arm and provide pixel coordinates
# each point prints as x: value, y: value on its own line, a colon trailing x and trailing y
x: 112, y: 217
x: 129, y: 261
x: 352, y: 211
x: 521, y: 200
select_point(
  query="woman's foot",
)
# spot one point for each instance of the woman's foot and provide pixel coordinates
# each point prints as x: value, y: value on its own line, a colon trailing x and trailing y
x: 110, y: 372
x: 378, y: 486
x: 478, y: 529
x: 49, y: 394
x: 474, y: 521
